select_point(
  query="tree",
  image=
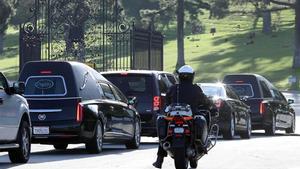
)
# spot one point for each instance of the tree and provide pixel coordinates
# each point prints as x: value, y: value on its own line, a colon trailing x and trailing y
x: 294, y: 4
x: 5, y: 13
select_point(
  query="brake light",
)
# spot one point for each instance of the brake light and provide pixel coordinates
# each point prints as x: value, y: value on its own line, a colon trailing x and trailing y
x: 46, y: 72
x: 239, y: 81
x: 79, y: 113
x: 156, y: 103
x: 124, y: 73
x: 219, y: 103
x: 262, y: 108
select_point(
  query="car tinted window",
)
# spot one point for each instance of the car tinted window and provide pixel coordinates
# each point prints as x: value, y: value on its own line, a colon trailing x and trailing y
x: 230, y: 93
x: 133, y: 84
x: 265, y: 89
x: 163, y: 83
x: 171, y: 79
x: 107, y: 91
x: 45, y: 86
x: 212, y: 90
x: 118, y: 94
x: 278, y: 95
x: 2, y: 82
x: 242, y: 89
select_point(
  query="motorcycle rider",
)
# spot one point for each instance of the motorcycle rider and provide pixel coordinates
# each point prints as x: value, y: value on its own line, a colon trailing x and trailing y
x: 188, y: 93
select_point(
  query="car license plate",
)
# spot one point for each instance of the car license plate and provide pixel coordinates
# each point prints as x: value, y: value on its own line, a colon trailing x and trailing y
x: 178, y: 130
x: 41, y: 130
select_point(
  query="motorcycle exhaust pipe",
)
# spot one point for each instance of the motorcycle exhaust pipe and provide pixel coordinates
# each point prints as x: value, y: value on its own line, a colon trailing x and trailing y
x: 166, y: 146
x: 190, y: 152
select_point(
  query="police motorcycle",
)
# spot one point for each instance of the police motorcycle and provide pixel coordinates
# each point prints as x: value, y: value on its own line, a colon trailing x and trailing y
x: 186, y: 137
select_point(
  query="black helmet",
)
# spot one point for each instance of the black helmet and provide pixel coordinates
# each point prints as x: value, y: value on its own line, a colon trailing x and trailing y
x: 186, y: 73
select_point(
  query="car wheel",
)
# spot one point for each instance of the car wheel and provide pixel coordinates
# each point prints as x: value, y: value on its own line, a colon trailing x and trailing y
x: 247, y: 133
x: 293, y: 127
x: 60, y: 146
x: 21, y: 154
x: 94, y: 146
x: 134, y: 143
x: 230, y: 131
x: 271, y: 128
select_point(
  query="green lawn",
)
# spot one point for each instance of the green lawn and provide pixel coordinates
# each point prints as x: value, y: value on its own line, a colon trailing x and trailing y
x: 213, y: 56
x: 227, y: 51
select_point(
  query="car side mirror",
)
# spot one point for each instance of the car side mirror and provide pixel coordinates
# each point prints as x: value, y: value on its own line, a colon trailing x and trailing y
x: 132, y: 101
x: 18, y: 87
x: 291, y: 101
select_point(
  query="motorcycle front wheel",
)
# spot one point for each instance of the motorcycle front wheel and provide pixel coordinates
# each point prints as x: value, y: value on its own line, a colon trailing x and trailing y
x: 181, y: 162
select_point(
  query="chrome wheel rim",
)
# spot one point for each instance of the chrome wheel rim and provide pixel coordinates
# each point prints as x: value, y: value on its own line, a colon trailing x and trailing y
x: 137, y: 133
x: 249, y: 127
x: 99, y: 137
x: 232, y: 127
x: 274, y: 124
x: 25, y: 142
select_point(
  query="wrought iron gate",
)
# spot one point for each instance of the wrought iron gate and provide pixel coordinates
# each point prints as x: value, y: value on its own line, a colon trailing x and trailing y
x: 90, y: 31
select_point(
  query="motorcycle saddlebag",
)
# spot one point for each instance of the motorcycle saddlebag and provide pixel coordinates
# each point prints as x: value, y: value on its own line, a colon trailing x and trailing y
x: 161, y: 127
x: 200, y: 128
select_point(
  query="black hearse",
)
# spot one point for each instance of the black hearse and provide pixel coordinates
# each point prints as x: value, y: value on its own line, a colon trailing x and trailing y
x: 72, y: 103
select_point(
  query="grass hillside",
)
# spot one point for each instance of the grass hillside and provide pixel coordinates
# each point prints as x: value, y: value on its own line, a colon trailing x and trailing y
x: 213, y: 56
x: 229, y: 51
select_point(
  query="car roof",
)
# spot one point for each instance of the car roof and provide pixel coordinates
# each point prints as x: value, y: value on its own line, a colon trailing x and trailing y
x: 135, y: 72
x: 256, y: 75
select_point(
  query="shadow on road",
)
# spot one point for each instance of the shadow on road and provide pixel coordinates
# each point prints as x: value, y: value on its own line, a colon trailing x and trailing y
x: 74, y: 153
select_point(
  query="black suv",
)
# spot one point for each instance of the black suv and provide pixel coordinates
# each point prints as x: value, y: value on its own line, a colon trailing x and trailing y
x: 149, y: 87
x: 269, y: 108
x: 72, y: 103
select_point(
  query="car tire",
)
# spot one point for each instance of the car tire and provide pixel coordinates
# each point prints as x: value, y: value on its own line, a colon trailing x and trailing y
x: 229, y: 133
x: 292, y: 128
x: 134, y: 143
x: 22, y: 154
x: 247, y: 133
x: 270, y: 129
x: 94, y: 146
x: 60, y: 146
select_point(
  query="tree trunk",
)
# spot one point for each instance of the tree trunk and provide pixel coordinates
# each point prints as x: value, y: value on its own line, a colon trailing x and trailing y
x: 267, y: 18
x: 180, y: 34
x: 1, y: 43
x: 296, y: 60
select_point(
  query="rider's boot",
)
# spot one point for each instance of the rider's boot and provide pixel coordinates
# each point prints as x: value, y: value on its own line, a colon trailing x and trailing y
x: 159, y: 161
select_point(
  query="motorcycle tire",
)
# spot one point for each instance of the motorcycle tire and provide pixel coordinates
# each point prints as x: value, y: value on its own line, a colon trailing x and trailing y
x: 181, y: 162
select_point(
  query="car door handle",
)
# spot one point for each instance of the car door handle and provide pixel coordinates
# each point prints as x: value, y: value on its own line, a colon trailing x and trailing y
x: 1, y: 101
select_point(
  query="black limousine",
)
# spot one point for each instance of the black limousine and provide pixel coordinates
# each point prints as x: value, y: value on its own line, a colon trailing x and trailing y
x: 73, y: 103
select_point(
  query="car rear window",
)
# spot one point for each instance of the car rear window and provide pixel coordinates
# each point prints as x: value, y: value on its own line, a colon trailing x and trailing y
x: 131, y: 83
x: 212, y: 90
x: 243, y: 89
x: 45, y: 86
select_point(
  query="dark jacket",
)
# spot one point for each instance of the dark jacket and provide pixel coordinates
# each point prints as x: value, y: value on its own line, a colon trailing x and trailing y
x: 190, y: 94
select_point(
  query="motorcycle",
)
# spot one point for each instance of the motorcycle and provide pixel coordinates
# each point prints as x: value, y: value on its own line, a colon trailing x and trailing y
x: 181, y: 138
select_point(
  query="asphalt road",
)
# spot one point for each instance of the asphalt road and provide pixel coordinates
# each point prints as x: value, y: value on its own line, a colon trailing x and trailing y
x: 260, y: 152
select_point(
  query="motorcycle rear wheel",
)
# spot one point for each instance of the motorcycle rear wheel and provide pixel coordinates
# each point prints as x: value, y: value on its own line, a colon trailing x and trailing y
x: 181, y: 162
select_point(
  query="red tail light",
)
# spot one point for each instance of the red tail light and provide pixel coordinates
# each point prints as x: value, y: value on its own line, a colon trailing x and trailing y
x: 79, y: 113
x: 219, y: 103
x: 46, y: 72
x: 262, y: 108
x: 156, y: 103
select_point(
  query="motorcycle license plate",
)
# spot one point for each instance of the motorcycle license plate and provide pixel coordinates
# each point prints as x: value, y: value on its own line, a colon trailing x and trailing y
x: 178, y: 130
